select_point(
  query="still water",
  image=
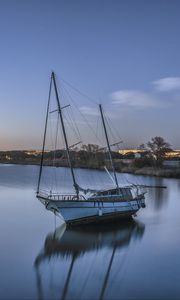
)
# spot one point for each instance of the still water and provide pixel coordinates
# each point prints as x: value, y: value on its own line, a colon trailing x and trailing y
x: 41, y: 259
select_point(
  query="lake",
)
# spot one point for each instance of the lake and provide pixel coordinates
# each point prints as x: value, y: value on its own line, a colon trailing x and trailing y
x: 41, y: 259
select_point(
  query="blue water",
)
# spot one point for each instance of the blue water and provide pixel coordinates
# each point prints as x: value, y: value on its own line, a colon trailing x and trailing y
x: 132, y: 260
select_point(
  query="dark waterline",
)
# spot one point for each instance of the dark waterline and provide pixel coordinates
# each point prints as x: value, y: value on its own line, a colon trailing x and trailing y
x: 41, y: 259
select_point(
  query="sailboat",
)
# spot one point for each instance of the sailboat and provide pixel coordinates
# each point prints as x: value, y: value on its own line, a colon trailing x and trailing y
x: 87, y: 205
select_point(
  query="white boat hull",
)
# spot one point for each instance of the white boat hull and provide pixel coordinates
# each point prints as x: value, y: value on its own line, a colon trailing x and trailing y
x: 92, y: 211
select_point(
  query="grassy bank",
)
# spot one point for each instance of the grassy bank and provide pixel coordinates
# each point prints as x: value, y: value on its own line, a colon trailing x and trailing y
x: 152, y: 171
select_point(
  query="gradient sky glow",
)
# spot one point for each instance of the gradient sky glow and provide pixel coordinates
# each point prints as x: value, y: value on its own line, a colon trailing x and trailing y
x: 125, y: 53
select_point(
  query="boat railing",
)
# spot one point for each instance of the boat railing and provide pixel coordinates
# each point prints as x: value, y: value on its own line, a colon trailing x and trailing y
x: 60, y: 197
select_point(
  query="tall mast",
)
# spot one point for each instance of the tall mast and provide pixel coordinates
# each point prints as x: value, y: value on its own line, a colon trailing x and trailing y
x: 65, y: 137
x: 108, y: 145
x: 44, y: 138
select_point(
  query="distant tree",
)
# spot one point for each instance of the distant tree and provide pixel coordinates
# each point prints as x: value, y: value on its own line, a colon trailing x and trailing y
x: 90, y: 147
x: 142, y: 147
x: 157, y: 148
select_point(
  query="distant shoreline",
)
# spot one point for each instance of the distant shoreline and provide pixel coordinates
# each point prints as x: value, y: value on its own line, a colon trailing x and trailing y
x: 147, y: 171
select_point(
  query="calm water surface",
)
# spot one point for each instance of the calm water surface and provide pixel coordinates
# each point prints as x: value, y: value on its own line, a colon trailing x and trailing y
x: 41, y: 259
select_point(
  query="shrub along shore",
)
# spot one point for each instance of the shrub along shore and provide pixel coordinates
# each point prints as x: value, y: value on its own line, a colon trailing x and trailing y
x: 96, y: 164
x: 153, y: 171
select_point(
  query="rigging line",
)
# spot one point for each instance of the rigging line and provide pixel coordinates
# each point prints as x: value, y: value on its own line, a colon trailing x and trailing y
x: 91, y: 128
x: 71, y: 127
x: 125, y: 177
x: 93, y: 156
x: 100, y: 134
x: 54, y: 139
x: 108, y: 145
x: 46, y: 182
x: 78, y: 91
x: 74, y: 103
x: 65, y: 137
x: 114, y: 128
x: 106, y: 154
x: 70, y: 98
x: 52, y: 147
x: 97, y: 123
x: 72, y: 123
x: 50, y: 140
x: 96, y: 155
x: 55, y: 149
x: 74, y: 126
x: 44, y: 138
x: 109, y: 174
x: 111, y: 132
x: 72, y: 115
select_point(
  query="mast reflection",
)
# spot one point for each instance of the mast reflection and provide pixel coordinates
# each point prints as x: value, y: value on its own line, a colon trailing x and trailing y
x: 74, y: 244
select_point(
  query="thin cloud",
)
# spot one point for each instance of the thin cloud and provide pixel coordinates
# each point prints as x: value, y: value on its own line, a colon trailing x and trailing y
x: 134, y: 98
x: 167, y: 84
x: 94, y: 112
x: 86, y: 110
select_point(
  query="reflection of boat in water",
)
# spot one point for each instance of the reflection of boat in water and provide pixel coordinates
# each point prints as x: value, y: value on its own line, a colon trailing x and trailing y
x: 76, y: 248
x: 86, y: 204
x: 77, y: 241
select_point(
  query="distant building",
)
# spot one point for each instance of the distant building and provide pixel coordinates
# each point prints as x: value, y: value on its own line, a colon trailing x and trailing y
x: 138, y: 153
x: 173, y: 154
x: 125, y: 151
x: 35, y: 152
x: 132, y: 153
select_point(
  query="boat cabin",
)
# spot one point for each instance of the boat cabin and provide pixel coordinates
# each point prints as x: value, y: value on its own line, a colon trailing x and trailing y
x: 116, y: 194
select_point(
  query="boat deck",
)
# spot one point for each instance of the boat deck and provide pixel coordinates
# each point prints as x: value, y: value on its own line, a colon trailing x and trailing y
x: 67, y: 198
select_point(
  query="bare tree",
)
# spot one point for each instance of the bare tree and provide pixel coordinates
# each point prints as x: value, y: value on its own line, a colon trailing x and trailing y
x: 158, y: 148
x: 90, y: 148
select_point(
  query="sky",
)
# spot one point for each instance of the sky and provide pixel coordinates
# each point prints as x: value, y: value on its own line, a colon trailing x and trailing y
x: 124, y: 54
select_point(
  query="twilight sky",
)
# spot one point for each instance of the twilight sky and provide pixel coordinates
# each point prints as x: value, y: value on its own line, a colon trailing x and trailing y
x: 122, y: 53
